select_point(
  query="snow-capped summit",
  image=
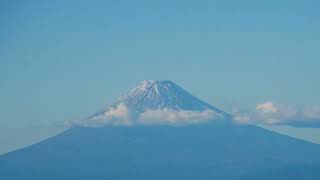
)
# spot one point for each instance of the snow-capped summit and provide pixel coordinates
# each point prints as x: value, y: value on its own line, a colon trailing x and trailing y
x: 153, y: 95
x: 158, y: 95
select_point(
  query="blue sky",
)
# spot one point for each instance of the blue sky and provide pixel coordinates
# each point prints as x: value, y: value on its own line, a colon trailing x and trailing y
x: 63, y: 60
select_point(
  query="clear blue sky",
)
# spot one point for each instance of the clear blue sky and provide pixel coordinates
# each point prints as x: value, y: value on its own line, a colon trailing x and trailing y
x: 63, y: 60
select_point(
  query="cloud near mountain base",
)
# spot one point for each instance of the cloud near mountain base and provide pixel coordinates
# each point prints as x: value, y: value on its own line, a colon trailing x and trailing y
x: 122, y: 115
x: 267, y: 113
x: 176, y: 117
x: 270, y: 113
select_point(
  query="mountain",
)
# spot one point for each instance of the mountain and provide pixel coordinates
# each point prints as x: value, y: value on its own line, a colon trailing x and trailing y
x: 151, y: 94
x: 217, y: 149
x: 156, y: 102
x: 161, y: 95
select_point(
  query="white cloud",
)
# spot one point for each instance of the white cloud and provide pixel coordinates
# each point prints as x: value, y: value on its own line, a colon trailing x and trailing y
x: 122, y: 115
x: 119, y: 115
x: 312, y: 112
x: 176, y: 117
x: 267, y: 107
x: 269, y: 113
x: 242, y: 118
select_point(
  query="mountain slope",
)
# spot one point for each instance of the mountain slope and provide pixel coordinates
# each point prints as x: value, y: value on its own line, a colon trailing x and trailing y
x: 206, y: 151
x: 217, y: 149
x: 161, y: 95
x: 151, y: 94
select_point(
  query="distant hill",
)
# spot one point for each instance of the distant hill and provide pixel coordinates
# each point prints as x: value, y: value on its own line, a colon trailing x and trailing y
x: 217, y: 149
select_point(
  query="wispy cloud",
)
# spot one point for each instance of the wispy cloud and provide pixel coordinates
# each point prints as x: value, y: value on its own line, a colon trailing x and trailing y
x: 119, y: 115
x: 267, y: 113
x: 122, y: 115
x: 270, y: 113
x: 176, y: 117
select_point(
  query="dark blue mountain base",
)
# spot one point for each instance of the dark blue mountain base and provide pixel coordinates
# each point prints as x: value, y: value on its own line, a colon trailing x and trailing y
x: 219, y: 151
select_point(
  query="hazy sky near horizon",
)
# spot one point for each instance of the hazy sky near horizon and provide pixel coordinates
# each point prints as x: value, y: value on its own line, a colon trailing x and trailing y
x: 63, y: 60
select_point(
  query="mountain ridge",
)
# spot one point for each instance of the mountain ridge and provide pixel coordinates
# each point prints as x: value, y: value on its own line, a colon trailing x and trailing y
x: 215, y: 150
x: 155, y: 95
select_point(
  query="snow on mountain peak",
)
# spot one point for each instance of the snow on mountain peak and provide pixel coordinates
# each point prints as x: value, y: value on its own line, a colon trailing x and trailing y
x: 154, y: 101
x: 157, y: 95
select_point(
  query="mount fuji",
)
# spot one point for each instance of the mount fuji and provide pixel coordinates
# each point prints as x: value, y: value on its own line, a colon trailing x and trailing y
x: 130, y: 144
x: 163, y: 100
x: 155, y: 95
